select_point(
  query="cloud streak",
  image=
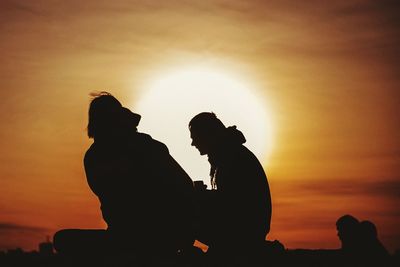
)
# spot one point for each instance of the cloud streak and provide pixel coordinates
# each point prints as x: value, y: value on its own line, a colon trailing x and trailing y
x: 389, y: 188
x: 6, y: 226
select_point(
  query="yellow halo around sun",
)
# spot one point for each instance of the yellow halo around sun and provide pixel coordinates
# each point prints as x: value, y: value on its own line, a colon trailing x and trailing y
x: 170, y: 100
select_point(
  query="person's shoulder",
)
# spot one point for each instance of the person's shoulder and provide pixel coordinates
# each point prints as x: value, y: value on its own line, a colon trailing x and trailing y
x: 240, y: 152
x: 90, y: 157
x: 153, y: 144
x: 247, y: 152
x: 246, y: 156
x: 89, y: 153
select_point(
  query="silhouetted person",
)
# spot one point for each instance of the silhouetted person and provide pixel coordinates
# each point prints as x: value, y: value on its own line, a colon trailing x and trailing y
x: 360, y: 243
x: 237, y: 216
x: 145, y: 196
x: 371, y: 247
x: 348, y: 231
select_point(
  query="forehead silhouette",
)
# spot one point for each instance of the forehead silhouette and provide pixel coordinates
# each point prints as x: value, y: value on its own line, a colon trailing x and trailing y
x: 206, y: 122
x: 347, y: 222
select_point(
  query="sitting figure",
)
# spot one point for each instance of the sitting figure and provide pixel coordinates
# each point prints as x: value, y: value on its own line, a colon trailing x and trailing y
x: 360, y: 243
x: 236, y: 214
x: 145, y: 196
x: 348, y: 231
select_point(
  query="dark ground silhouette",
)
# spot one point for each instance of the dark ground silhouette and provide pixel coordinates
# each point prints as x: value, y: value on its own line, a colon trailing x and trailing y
x: 297, y: 257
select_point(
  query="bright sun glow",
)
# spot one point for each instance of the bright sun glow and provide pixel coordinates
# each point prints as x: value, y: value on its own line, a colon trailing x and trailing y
x: 172, y: 99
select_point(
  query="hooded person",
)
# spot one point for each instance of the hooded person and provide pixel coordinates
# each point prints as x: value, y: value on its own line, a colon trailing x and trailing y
x: 240, y: 217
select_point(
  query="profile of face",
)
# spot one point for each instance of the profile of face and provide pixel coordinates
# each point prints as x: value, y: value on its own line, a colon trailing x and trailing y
x: 348, y: 231
x: 199, y: 142
x: 205, y: 130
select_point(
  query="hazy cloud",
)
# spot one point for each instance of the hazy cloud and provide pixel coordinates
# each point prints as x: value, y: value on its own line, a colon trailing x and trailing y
x: 17, y: 6
x: 389, y: 188
x: 5, y: 226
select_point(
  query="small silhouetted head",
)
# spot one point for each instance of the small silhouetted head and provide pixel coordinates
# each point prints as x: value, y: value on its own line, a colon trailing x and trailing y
x: 104, y: 115
x: 372, y: 247
x: 348, y: 231
x: 206, y: 130
x: 368, y: 230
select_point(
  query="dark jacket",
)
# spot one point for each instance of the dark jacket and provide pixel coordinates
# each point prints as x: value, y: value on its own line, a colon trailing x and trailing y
x: 143, y: 191
x: 243, y: 195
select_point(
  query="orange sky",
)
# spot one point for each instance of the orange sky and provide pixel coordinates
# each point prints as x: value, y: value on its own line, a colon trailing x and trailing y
x: 330, y: 72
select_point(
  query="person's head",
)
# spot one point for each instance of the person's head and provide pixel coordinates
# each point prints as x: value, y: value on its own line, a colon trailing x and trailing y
x: 104, y: 114
x: 129, y: 120
x: 348, y: 230
x: 206, y: 130
x: 368, y: 230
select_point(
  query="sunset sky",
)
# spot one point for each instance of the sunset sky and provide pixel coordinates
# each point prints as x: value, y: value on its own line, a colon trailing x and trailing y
x: 328, y: 73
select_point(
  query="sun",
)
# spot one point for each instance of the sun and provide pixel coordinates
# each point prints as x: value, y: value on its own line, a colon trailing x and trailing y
x: 170, y: 100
